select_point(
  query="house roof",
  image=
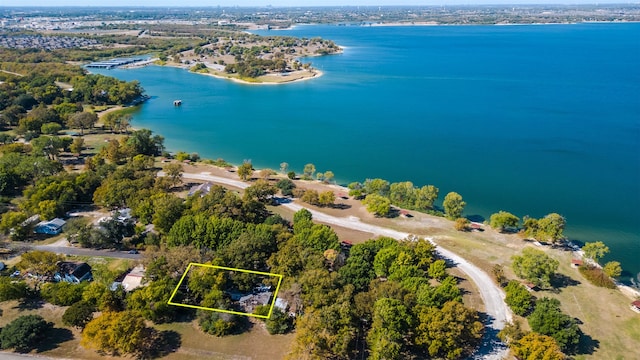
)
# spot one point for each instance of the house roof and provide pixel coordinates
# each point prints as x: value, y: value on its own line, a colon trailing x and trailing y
x: 577, y: 261
x: 636, y: 304
x: 55, y: 223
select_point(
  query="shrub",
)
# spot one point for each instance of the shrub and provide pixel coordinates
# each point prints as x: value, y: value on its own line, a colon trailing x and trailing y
x: 597, y: 277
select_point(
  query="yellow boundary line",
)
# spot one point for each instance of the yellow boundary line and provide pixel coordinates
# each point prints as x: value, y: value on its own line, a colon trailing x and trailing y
x: 275, y: 293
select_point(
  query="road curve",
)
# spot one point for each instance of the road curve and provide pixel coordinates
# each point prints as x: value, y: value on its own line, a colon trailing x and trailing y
x: 496, y: 309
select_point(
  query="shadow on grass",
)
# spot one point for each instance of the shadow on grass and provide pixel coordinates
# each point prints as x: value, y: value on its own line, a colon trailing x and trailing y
x: 561, y: 281
x: 53, y: 338
x: 161, y: 343
x: 587, y: 345
x: 30, y: 304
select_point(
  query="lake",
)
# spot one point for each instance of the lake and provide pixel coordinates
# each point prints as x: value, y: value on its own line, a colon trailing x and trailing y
x: 527, y: 119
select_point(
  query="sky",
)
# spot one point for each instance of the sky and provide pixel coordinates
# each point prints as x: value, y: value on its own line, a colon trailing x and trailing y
x: 282, y: 3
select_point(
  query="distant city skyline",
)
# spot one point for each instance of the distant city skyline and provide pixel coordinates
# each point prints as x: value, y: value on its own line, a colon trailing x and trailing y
x: 287, y: 3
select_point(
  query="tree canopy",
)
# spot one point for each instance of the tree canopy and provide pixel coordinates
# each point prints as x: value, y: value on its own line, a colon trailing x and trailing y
x: 535, y: 266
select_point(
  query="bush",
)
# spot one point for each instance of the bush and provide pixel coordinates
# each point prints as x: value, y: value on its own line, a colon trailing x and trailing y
x: 24, y: 332
x: 518, y: 298
x: 63, y: 293
x: 78, y: 314
x: 597, y: 277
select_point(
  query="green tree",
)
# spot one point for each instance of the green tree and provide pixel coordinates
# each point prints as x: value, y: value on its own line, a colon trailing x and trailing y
x: 279, y: 322
x: 310, y: 196
x: 328, y: 176
x: 174, y: 172
x: 612, y: 269
x: 503, y: 220
x: 168, y: 209
x: 151, y: 301
x: 245, y: 170
x: 548, y: 319
x: 62, y: 293
x: 77, y: 145
x: 535, y: 266
x: 549, y: 228
x: 12, y: 290
x: 284, y: 167
x: 50, y: 128
x: 377, y: 186
x: 425, y: 197
x: 449, y: 332
x: 453, y: 205
x: 82, y: 120
x: 261, y: 191
x: 308, y: 171
x: 40, y: 262
x: 326, y: 198
x: 78, y: 314
x: 534, y: 346
x: 286, y: 187
x: 462, y: 224
x: 377, y: 204
x: 116, y: 333
x: 24, y: 333
x: 595, y: 250
x: 518, y: 298
x: 391, y: 321
x: 437, y: 269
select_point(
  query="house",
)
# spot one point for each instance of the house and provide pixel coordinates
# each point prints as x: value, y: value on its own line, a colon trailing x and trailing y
x: 133, y: 279
x: 203, y: 189
x: 576, y: 263
x: 73, y: 272
x: 51, y: 227
x: 635, y: 306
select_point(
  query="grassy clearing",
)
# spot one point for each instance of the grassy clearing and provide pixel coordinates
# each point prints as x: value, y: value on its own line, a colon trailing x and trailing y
x: 94, y: 142
x: 255, y: 344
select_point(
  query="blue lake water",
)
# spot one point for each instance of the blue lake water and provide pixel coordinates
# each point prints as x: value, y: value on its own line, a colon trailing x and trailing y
x: 527, y: 119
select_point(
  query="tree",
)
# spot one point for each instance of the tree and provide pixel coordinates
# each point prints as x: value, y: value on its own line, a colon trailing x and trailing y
x: 461, y: 224
x: 77, y: 145
x: 284, y: 167
x: 503, y: 220
x: 78, y: 314
x: 437, y: 269
x: 612, y: 269
x: 549, y: 228
x: 308, y: 171
x: 328, y: 176
x: 310, y: 196
x: 82, y: 120
x: 548, y: 319
x: 168, y: 209
x: 12, y: 290
x: 449, y: 332
x: 174, y: 172
x: 279, y: 322
x: 498, y: 273
x: 116, y: 333
x: 453, y: 205
x: 377, y: 204
x: 245, y: 170
x: 518, y: 298
x: 536, y: 266
x: 377, y: 186
x: 425, y: 197
x: 391, y: 320
x: 40, y: 262
x: 534, y: 346
x: 595, y: 250
x: 50, y: 128
x: 261, y: 191
x: 24, y: 333
x: 326, y: 198
x: 286, y: 187
x: 62, y: 293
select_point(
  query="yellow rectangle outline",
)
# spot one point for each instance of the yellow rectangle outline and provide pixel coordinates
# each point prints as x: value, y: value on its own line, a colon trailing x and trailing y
x: 221, y: 310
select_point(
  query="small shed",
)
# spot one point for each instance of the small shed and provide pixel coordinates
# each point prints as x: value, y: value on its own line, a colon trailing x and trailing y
x: 635, y: 306
x: 51, y: 227
x: 530, y: 286
x: 576, y: 263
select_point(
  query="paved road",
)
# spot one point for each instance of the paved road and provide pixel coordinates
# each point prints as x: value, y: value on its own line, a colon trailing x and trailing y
x: 68, y: 250
x: 497, y: 311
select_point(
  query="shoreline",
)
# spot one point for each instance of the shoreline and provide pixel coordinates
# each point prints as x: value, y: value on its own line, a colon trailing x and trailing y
x: 314, y: 74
